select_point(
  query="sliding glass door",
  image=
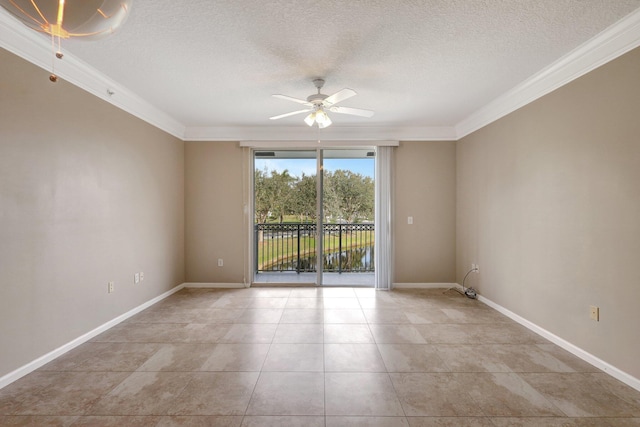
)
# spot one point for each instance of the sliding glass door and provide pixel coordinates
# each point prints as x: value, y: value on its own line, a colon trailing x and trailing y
x: 310, y: 202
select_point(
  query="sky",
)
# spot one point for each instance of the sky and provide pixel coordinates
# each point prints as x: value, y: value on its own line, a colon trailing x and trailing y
x: 297, y: 167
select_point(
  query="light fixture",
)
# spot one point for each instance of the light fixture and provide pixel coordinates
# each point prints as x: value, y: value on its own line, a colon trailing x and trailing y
x: 320, y: 117
x: 89, y: 19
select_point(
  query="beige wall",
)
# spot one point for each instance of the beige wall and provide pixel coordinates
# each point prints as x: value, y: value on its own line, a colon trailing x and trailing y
x: 425, y: 188
x: 214, y: 212
x: 88, y: 194
x: 549, y: 207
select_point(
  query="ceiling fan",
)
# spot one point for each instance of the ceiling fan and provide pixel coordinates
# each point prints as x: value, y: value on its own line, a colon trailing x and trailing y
x: 318, y: 104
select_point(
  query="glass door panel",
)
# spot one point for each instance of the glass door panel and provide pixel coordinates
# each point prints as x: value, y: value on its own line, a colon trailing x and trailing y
x: 348, y: 201
x: 285, y: 217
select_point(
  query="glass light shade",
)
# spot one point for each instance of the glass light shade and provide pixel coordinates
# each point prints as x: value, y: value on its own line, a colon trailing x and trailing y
x: 92, y: 19
x: 322, y: 119
x: 310, y: 119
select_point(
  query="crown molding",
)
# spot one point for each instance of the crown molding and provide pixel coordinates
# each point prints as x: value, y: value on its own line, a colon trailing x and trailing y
x: 35, y: 48
x: 332, y: 133
x: 611, y: 43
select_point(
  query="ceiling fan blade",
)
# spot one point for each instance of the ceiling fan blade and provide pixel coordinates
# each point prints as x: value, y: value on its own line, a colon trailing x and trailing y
x: 289, y: 98
x: 340, y: 96
x: 352, y: 111
x: 281, y: 116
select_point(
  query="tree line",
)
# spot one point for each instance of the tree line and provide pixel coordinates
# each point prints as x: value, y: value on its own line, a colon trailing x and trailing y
x: 348, y: 196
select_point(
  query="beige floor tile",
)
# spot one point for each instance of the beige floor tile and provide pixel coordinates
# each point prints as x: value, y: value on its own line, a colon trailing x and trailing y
x: 178, y: 357
x: 260, y: 315
x: 302, y: 315
x: 527, y: 358
x: 230, y: 302
x: 385, y: 316
x: 582, y: 395
x: 288, y: 393
x: 93, y: 356
x: 574, y: 362
x: 166, y: 315
x: 344, y: 315
x: 65, y: 393
x: 507, y: 395
x: 294, y: 358
x: 306, y: 292
x: 421, y: 316
x: 451, y: 422
x: 346, y: 333
x: 215, y: 393
x: 367, y: 422
x: 142, y: 393
x: 434, y: 395
x: 368, y: 394
x: 550, y: 422
x: 336, y: 303
x: 217, y: 315
x: 474, y: 315
x: 163, y: 333
x: 338, y: 293
x: 299, y: 333
x: 250, y: 333
x: 199, y: 421
x: 443, y: 333
x: 37, y: 421
x: 236, y: 357
x: 266, y: 292
x: 305, y: 303
x: 387, y: 334
x: 352, y: 358
x: 268, y: 302
x: 193, y: 355
x: 282, y: 421
x: 412, y: 358
x: 117, y: 421
x: 378, y: 303
x: 471, y: 358
x: 503, y: 333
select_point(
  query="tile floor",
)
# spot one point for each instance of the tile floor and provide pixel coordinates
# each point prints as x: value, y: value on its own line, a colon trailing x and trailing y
x: 318, y: 357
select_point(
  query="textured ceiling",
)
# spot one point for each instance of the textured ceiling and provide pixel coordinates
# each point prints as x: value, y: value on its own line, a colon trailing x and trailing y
x: 415, y: 62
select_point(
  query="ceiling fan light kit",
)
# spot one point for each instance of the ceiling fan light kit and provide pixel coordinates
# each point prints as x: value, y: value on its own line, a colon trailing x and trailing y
x: 318, y: 104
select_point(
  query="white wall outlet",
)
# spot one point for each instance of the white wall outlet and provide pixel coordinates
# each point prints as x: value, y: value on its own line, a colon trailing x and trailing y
x: 141, y: 276
x: 594, y: 313
x: 220, y: 262
x: 410, y: 220
x: 136, y: 278
x: 110, y: 286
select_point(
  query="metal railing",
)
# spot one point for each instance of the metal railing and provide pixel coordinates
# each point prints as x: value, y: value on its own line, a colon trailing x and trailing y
x: 292, y: 247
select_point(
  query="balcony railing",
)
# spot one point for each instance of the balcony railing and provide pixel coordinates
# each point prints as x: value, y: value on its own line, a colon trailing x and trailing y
x: 292, y: 247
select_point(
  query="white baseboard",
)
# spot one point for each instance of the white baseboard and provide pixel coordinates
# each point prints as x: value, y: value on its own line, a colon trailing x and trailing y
x: 43, y: 360
x: 630, y: 380
x: 213, y: 285
x: 425, y: 285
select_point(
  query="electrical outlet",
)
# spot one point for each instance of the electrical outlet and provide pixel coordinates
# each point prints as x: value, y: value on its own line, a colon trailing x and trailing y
x: 477, y: 268
x: 141, y: 276
x: 410, y: 220
x: 136, y: 278
x: 110, y: 287
x: 220, y: 262
x: 594, y: 313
